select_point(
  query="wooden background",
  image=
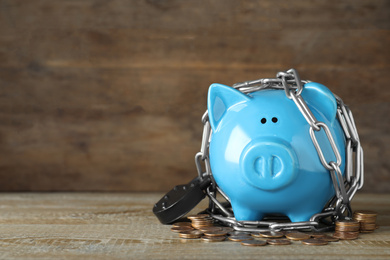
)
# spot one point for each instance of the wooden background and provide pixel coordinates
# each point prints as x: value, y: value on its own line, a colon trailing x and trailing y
x: 100, y: 95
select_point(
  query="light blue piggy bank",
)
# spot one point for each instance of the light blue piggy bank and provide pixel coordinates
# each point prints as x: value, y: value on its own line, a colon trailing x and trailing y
x: 261, y: 153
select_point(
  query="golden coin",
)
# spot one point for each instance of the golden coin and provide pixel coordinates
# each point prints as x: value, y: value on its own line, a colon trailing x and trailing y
x: 191, y: 234
x: 256, y: 234
x: 272, y: 234
x: 348, y: 229
x: 211, y: 228
x: 317, y: 235
x: 347, y: 223
x: 203, y: 215
x: 239, y: 238
x: 227, y: 229
x: 195, y: 219
x: 202, y: 221
x: 253, y: 243
x: 202, y: 224
x: 314, y: 242
x: 346, y: 235
x: 364, y: 217
x: 297, y: 236
x: 181, y: 224
x: 213, y: 239
x: 238, y: 233
x: 199, y: 216
x: 215, y: 233
x: 180, y: 229
x: 367, y: 213
x: 330, y: 238
x: 367, y: 226
x: 278, y: 241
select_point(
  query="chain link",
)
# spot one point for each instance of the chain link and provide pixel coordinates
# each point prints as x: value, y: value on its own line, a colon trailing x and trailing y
x: 345, y: 187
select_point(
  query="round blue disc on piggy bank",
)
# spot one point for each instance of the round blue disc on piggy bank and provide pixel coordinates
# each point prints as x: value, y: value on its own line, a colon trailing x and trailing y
x: 261, y: 153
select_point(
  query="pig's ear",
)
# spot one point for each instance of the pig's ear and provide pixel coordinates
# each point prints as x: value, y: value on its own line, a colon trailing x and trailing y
x: 219, y: 100
x: 318, y: 96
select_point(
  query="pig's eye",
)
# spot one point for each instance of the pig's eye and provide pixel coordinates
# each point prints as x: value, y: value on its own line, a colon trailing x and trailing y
x: 274, y: 119
x: 263, y: 120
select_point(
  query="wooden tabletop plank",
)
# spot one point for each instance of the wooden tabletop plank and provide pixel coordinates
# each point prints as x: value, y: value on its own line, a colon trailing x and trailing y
x: 122, y: 226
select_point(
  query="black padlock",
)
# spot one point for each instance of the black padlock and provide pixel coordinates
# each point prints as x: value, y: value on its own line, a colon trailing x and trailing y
x: 180, y: 200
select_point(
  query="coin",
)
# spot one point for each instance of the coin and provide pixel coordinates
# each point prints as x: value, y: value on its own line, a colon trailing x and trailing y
x: 191, y: 234
x: 314, y: 242
x: 278, y: 241
x: 253, y: 243
x: 201, y: 220
x: 367, y: 220
x: 211, y: 228
x: 227, y: 229
x: 199, y: 216
x: 180, y: 229
x: 330, y: 238
x: 297, y: 236
x: 367, y: 213
x: 317, y: 235
x: 347, y: 225
x: 256, y: 234
x: 181, y: 224
x: 238, y: 233
x: 215, y: 233
x: 346, y: 235
x: 239, y: 238
x: 201, y: 224
x: 272, y: 234
x: 213, y: 239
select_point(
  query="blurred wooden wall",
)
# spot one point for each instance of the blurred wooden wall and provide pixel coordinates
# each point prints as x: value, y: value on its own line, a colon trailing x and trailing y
x: 100, y: 95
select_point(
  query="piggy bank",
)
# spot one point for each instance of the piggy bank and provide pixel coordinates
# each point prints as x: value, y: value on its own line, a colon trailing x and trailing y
x: 261, y: 154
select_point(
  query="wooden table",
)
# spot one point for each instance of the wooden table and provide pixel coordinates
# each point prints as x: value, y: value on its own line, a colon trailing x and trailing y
x: 122, y: 225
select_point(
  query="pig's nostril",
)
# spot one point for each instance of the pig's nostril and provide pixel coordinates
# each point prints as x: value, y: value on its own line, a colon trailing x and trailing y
x: 263, y: 120
x: 274, y: 119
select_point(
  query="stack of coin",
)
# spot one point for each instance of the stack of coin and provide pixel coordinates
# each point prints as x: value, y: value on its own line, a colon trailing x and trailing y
x: 346, y: 229
x: 191, y: 234
x: 297, y: 236
x: 201, y: 221
x: 235, y: 237
x: 214, y: 236
x: 367, y: 220
x: 271, y: 234
x: 278, y: 241
x: 202, y: 227
x: 314, y: 242
x: 179, y: 229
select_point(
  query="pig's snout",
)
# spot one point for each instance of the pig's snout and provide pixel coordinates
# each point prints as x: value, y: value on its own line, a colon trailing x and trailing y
x: 269, y: 163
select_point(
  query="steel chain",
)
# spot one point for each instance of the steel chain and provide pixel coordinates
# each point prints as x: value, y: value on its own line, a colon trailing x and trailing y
x: 345, y: 187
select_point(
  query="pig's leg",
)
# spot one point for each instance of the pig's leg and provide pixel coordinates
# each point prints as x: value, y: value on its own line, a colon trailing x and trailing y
x: 244, y: 213
x: 301, y: 216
